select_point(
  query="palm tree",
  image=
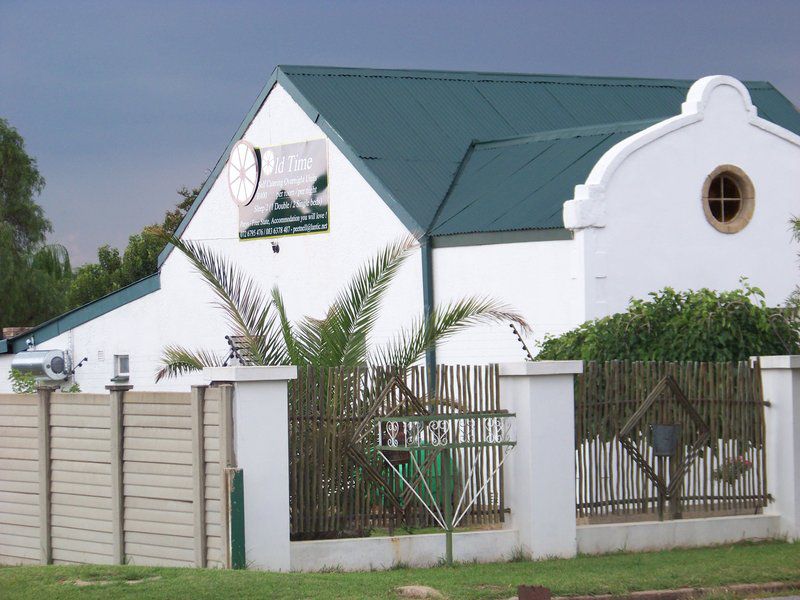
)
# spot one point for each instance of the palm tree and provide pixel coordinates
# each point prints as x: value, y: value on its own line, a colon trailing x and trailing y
x: 340, y: 338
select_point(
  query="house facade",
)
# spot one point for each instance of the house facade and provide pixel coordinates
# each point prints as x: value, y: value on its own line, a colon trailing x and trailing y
x: 562, y: 196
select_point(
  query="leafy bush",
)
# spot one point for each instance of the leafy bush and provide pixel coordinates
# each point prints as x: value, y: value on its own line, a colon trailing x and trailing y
x: 702, y: 325
x: 22, y: 383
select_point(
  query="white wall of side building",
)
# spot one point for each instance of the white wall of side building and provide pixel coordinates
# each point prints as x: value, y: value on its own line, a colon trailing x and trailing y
x: 639, y: 217
x: 542, y: 280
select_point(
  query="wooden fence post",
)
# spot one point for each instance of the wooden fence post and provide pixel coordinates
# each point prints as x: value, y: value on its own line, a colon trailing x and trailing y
x: 45, y: 537
x: 116, y: 396
x: 198, y: 475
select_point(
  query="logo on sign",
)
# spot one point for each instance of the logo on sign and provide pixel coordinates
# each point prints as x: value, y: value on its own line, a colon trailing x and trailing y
x: 244, y: 170
x: 269, y: 162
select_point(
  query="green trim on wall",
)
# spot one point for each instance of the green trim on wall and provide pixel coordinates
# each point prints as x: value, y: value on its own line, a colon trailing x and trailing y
x: 500, y: 237
x: 238, y: 552
x: 83, y: 314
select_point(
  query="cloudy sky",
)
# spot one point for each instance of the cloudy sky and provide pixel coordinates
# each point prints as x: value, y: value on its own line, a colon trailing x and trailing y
x: 123, y: 103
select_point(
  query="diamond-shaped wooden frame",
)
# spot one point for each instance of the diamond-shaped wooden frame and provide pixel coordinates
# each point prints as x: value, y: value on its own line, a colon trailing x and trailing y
x: 356, y: 452
x: 666, y: 383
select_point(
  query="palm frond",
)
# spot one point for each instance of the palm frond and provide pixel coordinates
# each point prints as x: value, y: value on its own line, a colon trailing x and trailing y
x: 177, y: 360
x: 445, y: 321
x: 298, y: 355
x: 249, y: 311
x: 341, y: 337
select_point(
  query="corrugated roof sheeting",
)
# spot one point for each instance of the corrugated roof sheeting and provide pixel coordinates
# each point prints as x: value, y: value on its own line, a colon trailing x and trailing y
x: 522, y: 184
x: 414, y: 127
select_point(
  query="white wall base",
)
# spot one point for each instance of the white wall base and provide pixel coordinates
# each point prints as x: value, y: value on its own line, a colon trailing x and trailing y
x: 658, y: 535
x: 361, y: 554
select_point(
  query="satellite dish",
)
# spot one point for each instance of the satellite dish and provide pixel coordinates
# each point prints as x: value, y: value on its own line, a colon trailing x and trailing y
x: 244, y: 169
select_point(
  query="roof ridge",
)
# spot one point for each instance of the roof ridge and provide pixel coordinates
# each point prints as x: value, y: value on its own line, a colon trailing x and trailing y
x: 558, y: 134
x: 467, y: 75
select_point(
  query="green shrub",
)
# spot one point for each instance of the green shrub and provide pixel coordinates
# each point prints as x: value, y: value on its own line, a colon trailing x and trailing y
x: 22, y: 383
x: 702, y: 325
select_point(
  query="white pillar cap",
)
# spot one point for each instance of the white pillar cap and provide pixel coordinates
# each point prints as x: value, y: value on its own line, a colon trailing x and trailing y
x: 240, y: 374
x: 541, y: 367
x: 788, y: 361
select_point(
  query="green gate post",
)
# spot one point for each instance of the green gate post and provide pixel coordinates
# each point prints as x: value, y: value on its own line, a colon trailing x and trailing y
x: 447, y: 468
x: 238, y: 554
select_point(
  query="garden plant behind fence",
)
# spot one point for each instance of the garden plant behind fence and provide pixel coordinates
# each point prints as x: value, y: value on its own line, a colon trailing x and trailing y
x: 729, y: 474
x: 340, y: 488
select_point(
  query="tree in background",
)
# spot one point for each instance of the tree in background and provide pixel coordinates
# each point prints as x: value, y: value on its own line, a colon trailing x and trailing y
x: 34, y: 276
x: 113, y: 271
x: 702, y: 325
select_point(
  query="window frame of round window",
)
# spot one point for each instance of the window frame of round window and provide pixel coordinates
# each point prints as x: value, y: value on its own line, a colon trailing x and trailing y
x: 747, y: 199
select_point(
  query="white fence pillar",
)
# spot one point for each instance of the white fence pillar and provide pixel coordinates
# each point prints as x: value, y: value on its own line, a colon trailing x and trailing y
x: 540, y: 473
x: 780, y: 377
x: 261, y: 447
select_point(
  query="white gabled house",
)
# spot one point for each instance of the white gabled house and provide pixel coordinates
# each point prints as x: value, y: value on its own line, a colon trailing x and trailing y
x: 564, y: 196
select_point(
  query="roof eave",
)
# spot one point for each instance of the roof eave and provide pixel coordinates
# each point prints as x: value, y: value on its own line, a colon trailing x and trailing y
x: 83, y: 314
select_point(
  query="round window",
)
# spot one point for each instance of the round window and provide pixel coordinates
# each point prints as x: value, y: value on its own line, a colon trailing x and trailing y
x: 728, y: 199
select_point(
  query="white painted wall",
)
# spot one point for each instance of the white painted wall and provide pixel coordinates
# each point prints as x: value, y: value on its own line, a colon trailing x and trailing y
x: 639, y: 217
x: 662, y: 535
x: 424, y: 550
x: 541, y: 280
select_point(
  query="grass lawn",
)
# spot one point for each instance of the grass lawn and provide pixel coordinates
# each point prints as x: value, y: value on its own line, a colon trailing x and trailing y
x: 614, y: 573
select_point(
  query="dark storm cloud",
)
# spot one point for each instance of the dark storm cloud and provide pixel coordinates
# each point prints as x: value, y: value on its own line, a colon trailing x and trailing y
x: 124, y: 103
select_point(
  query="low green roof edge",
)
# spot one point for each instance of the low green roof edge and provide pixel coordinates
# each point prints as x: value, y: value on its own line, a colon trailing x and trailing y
x: 83, y: 314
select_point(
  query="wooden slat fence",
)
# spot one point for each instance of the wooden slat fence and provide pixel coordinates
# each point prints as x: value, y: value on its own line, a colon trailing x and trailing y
x: 331, y: 495
x: 127, y: 477
x: 729, y: 475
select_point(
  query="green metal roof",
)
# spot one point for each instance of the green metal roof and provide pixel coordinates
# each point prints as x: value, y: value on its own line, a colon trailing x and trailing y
x: 407, y: 132
x: 411, y: 129
x: 522, y: 183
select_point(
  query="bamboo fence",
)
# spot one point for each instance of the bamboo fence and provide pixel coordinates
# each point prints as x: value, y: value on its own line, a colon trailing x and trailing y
x: 342, y: 488
x: 727, y: 477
